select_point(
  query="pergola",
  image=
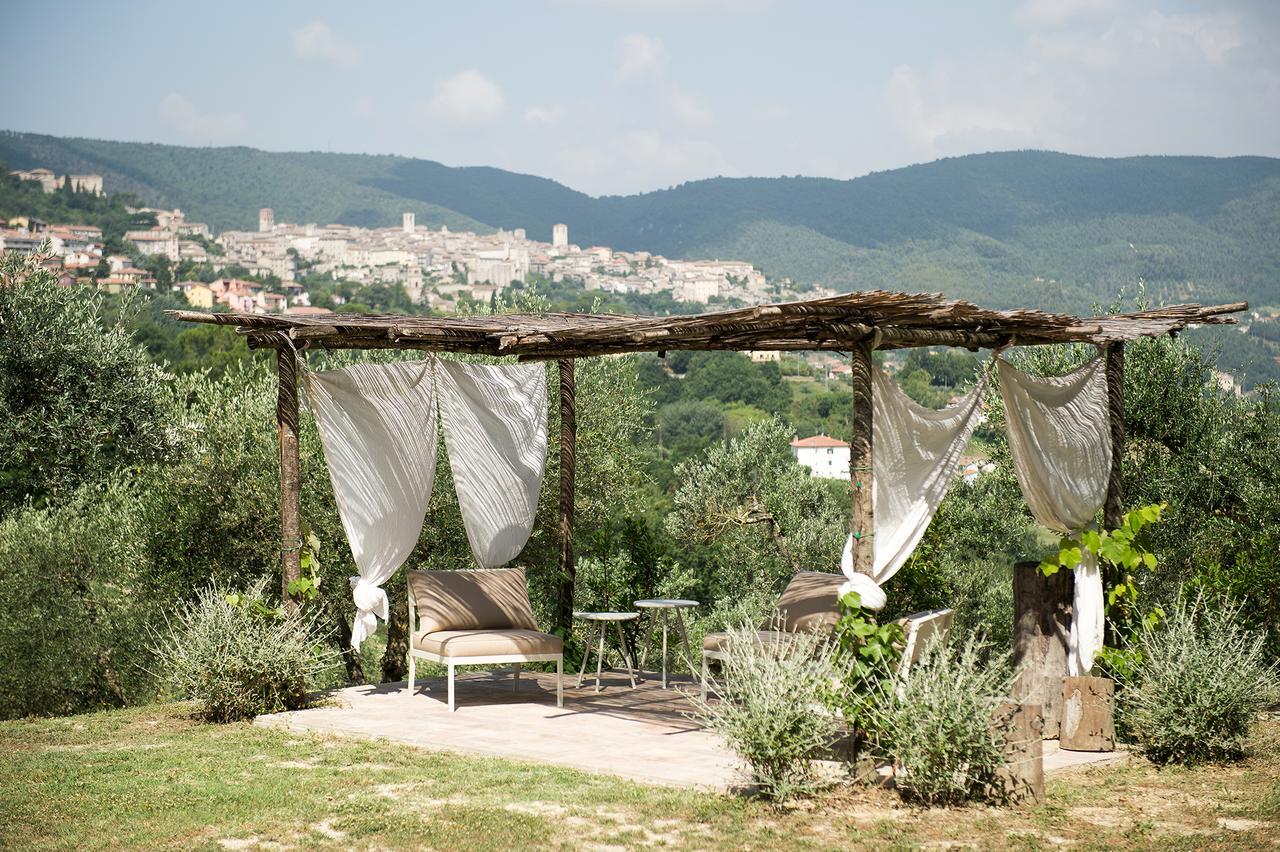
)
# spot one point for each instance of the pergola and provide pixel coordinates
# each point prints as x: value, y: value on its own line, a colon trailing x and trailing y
x: 858, y: 323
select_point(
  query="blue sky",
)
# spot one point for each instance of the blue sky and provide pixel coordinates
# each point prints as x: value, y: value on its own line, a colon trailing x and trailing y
x: 621, y: 96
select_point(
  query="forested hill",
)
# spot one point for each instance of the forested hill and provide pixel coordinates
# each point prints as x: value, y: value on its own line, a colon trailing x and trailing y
x: 1021, y: 228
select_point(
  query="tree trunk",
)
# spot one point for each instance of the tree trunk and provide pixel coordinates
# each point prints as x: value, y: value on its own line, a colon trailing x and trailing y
x: 1022, y: 727
x: 350, y: 658
x: 395, y: 663
x: 1041, y: 638
x: 1088, y: 714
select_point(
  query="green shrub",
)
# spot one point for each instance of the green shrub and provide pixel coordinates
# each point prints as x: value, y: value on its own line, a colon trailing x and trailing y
x: 935, y: 726
x: 770, y: 709
x: 76, y: 605
x: 1199, y: 682
x: 238, y: 657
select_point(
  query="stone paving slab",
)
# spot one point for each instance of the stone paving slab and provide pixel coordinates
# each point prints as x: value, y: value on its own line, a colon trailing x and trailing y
x: 639, y: 734
x: 643, y: 734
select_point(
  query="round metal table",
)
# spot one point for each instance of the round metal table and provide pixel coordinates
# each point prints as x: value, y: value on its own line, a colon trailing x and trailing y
x: 664, y: 606
x: 603, y: 619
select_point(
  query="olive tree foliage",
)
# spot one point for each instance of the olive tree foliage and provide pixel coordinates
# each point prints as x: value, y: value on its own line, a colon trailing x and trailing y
x: 78, y: 398
x: 746, y: 516
x: 75, y: 600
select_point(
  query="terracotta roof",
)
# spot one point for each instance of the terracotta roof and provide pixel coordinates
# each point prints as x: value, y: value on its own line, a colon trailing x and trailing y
x: 819, y: 441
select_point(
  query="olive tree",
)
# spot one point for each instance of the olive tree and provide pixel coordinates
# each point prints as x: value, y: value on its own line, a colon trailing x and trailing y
x: 78, y: 399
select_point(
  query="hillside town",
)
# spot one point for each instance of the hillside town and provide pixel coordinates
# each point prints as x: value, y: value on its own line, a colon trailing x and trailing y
x: 437, y: 268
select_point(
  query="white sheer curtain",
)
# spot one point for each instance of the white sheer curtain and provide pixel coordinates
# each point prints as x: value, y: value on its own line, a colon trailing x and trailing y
x: 377, y: 423
x: 495, y: 428
x: 915, y: 454
x: 1060, y: 439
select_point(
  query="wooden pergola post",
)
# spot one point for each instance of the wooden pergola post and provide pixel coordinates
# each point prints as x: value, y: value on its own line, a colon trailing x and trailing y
x: 290, y: 481
x: 861, y: 476
x: 1113, y: 509
x: 568, y: 463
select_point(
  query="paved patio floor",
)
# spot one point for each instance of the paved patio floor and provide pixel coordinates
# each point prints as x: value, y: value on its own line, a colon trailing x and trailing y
x: 642, y: 734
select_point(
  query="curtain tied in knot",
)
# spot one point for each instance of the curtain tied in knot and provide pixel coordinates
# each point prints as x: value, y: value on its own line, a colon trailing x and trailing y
x: 371, y: 604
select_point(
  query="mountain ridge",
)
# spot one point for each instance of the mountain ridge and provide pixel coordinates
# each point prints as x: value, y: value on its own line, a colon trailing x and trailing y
x: 1053, y: 230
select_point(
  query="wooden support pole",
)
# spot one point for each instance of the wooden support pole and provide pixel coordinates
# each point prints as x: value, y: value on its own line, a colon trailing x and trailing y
x: 1113, y: 509
x: 862, y: 521
x: 568, y: 463
x: 290, y: 484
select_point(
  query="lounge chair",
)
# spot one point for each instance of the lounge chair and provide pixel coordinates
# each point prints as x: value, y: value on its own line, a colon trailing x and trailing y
x: 477, y: 617
x: 809, y: 603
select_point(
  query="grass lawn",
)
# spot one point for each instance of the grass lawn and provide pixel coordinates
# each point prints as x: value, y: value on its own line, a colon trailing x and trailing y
x: 151, y: 777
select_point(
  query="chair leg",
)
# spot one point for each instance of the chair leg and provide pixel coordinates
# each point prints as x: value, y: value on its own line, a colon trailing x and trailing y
x: 412, y: 673
x: 451, y: 705
x: 515, y: 681
x: 560, y: 681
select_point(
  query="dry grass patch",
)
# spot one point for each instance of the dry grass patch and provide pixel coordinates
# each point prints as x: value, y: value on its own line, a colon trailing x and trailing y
x: 153, y: 778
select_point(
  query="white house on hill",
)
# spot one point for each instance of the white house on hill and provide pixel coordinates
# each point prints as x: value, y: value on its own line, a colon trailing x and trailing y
x: 824, y: 456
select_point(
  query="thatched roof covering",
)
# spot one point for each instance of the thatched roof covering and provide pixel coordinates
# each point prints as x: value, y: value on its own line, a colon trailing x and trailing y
x: 889, y: 320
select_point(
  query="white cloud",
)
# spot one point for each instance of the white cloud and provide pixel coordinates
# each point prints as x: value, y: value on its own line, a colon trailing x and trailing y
x: 941, y: 115
x: 544, y: 114
x: 182, y: 115
x: 468, y: 97
x: 1055, y: 12
x: 1213, y: 35
x: 317, y: 41
x: 1086, y: 49
x: 687, y: 109
x: 639, y: 55
x: 641, y: 160
x: 364, y: 107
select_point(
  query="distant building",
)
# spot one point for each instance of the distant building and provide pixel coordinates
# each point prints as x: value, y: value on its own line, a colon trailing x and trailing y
x: 199, y: 295
x: 266, y: 220
x: 824, y: 456
x: 560, y: 236
x: 50, y: 182
x: 155, y: 242
x: 408, y: 223
x: 45, y: 177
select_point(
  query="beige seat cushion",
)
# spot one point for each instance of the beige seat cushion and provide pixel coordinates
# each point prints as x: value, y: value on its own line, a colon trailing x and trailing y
x: 489, y: 643
x: 495, y: 599
x: 810, y: 603
x: 719, y: 642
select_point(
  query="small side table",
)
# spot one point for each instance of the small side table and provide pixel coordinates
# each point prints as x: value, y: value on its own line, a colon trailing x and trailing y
x: 665, y: 605
x: 602, y: 619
